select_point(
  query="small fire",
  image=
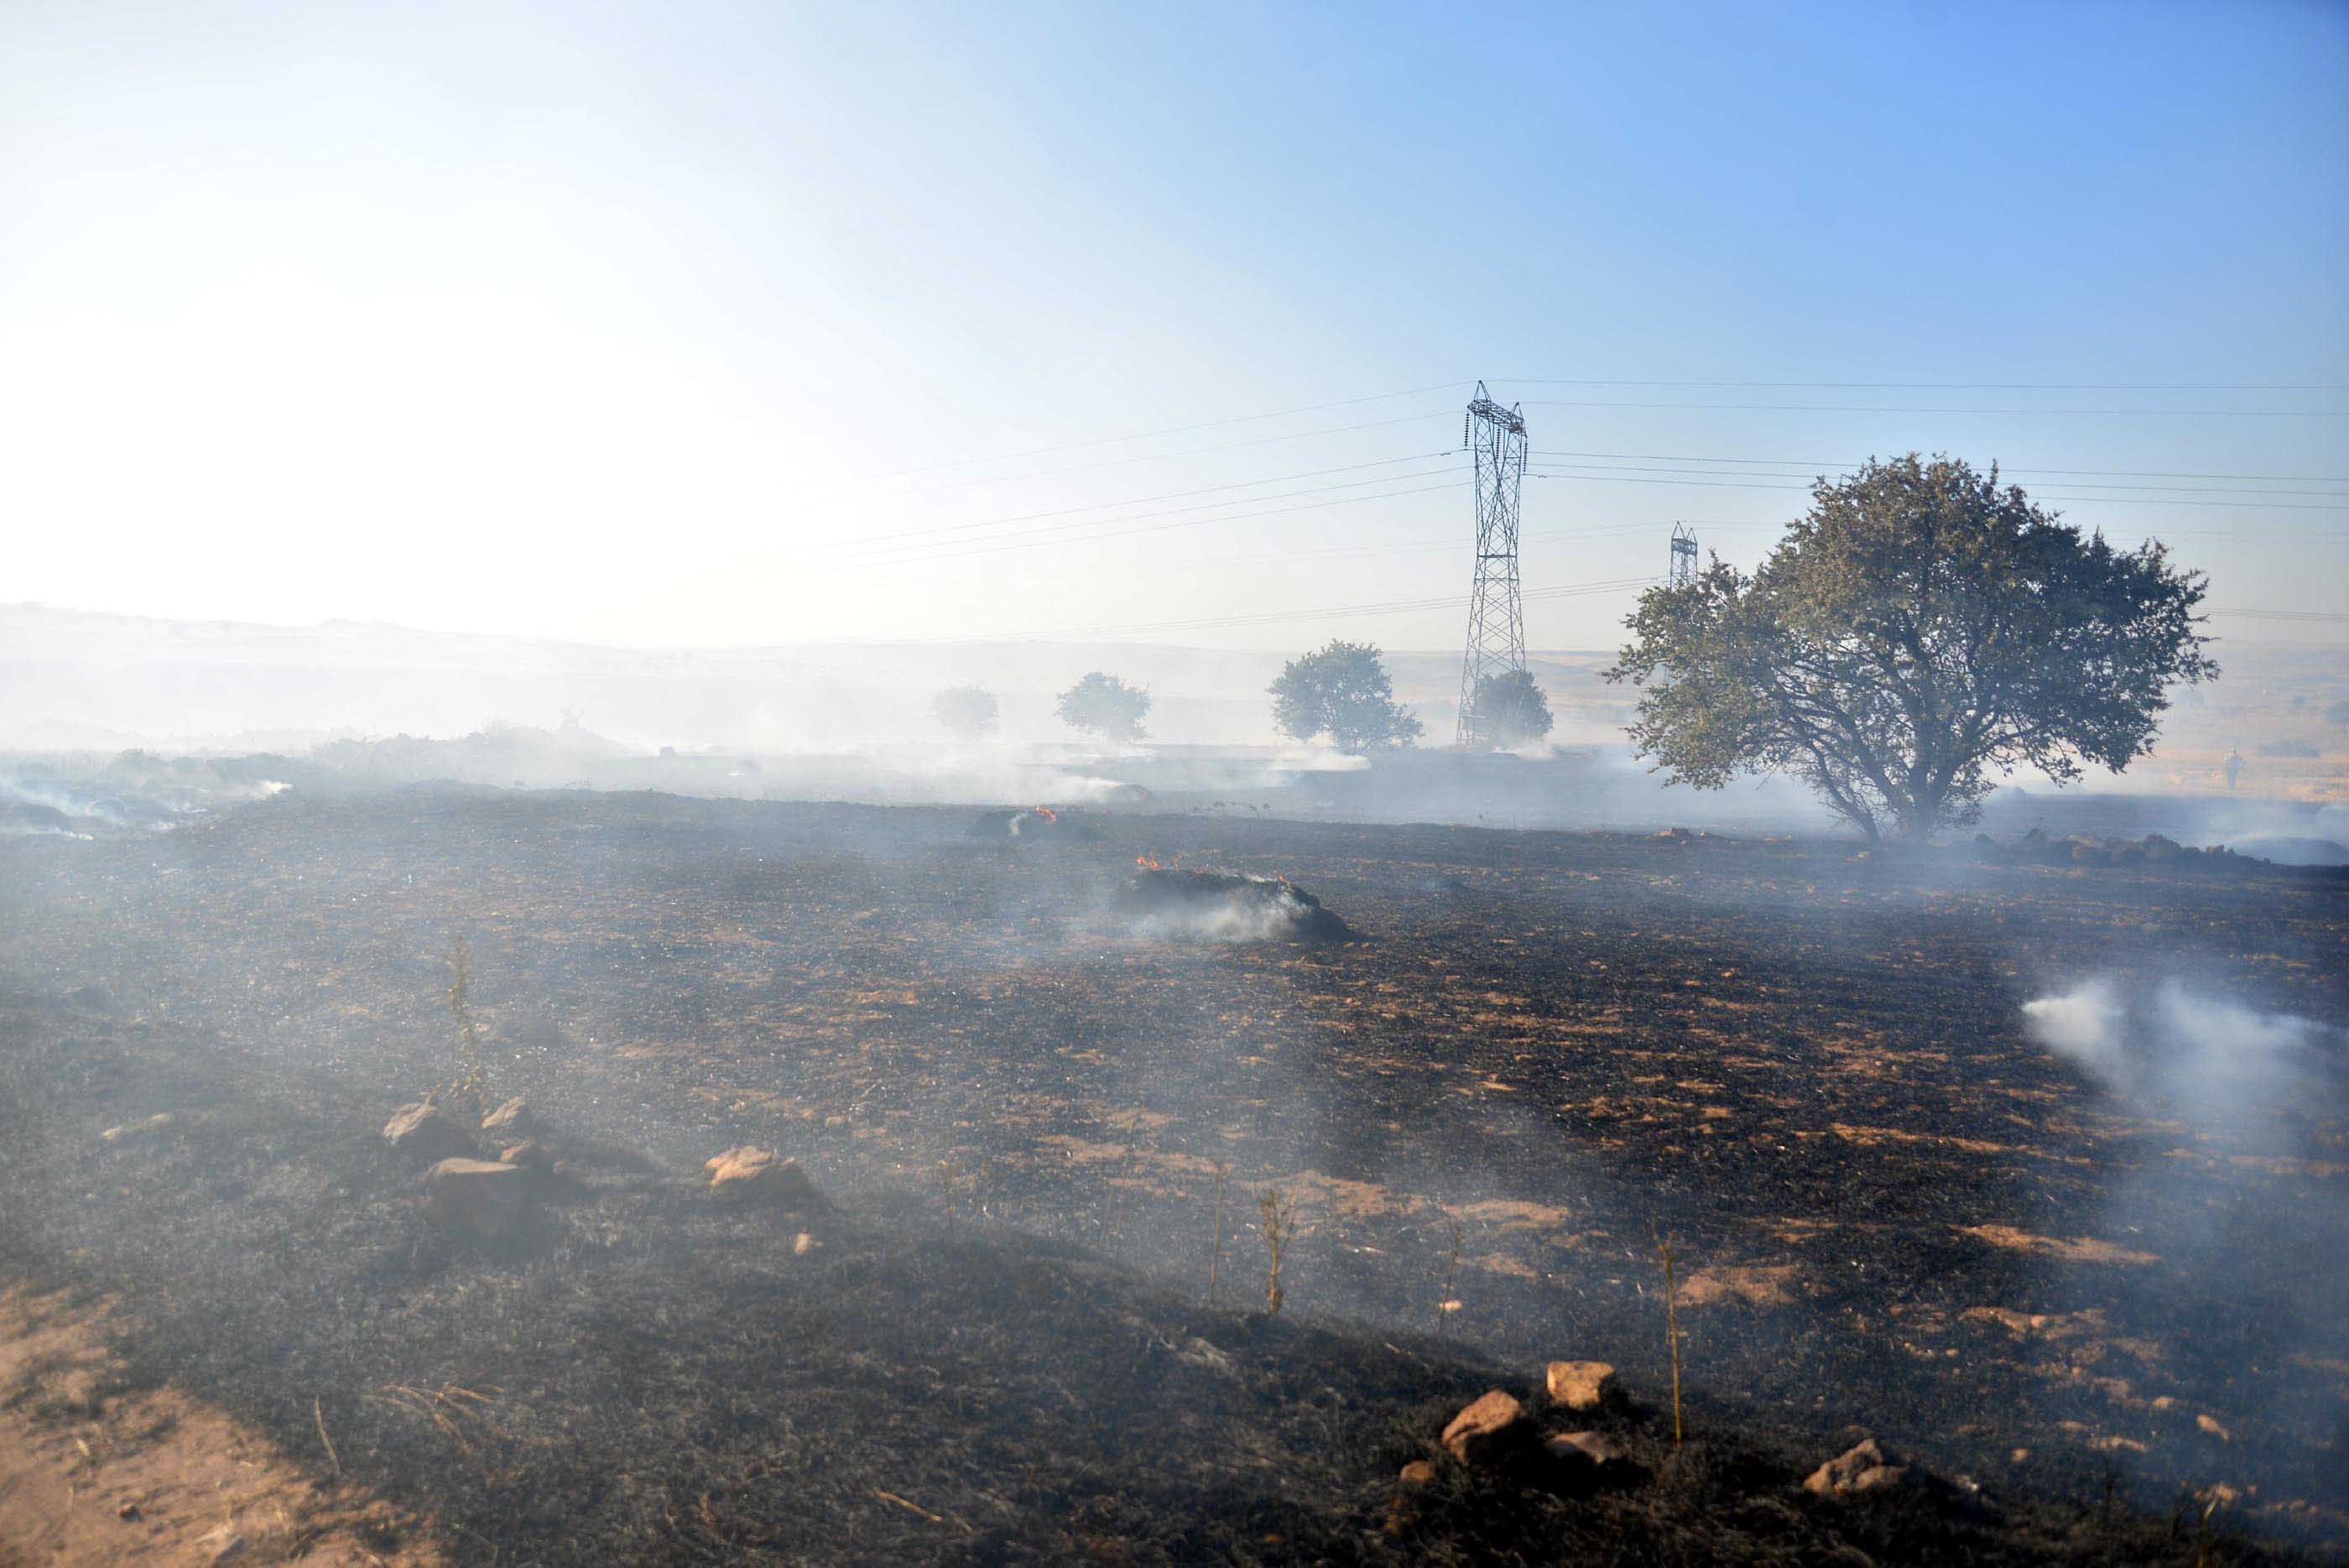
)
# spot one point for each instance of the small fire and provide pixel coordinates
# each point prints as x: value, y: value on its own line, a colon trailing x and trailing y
x: 1147, y: 864
x: 1048, y: 813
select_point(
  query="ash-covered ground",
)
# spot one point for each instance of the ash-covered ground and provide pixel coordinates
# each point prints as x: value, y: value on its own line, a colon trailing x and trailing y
x: 2090, y: 1251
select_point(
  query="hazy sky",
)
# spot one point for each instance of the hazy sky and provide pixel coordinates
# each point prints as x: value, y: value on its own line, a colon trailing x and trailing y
x: 629, y: 324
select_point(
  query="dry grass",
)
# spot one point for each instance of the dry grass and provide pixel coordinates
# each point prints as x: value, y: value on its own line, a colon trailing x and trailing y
x: 1277, y: 1215
x: 1671, y: 1326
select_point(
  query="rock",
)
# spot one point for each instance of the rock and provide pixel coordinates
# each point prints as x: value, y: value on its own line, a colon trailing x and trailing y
x: 1580, y: 1385
x: 427, y: 1132
x: 153, y: 1124
x: 529, y: 1154
x: 543, y: 1175
x: 1488, y: 1429
x: 221, y: 1543
x: 1593, y: 1448
x: 482, y: 1196
x: 750, y: 1174
x: 1585, y: 1462
x: 1418, y: 1472
x: 803, y: 1244
x: 510, y: 1119
x: 2211, y: 1424
x: 1208, y: 1357
x: 1861, y: 1468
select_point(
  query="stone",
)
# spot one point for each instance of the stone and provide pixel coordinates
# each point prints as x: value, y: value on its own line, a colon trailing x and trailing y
x: 1418, y: 1472
x: 529, y: 1154
x: 222, y: 1543
x: 803, y: 1244
x: 427, y: 1132
x: 750, y: 1174
x: 1595, y: 1448
x: 482, y: 1196
x: 1487, y: 1429
x: 510, y: 1119
x: 1208, y: 1357
x: 1580, y: 1384
x: 1863, y: 1467
x: 543, y: 1175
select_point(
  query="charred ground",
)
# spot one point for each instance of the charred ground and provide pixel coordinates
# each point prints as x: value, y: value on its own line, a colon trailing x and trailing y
x: 1898, y: 1213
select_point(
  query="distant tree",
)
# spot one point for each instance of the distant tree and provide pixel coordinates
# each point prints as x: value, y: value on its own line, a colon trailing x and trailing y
x: 1106, y: 706
x: 966, y: 711
x: 1343, y: 689
x: 1509, y: 710
x: 1916, y: 631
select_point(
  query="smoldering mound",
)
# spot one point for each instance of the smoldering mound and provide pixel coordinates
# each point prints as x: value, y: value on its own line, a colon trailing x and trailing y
x: 1033, y: 824
x: 1227, y: 906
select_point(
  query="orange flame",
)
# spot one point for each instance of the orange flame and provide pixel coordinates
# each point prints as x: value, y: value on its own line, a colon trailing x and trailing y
x: 1147, y: 864
x: 1048, y: 813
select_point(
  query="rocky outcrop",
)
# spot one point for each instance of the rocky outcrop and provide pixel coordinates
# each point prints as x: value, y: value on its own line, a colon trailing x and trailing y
x: 1863, y: 1467
x: 754, y: 1175
x: 482, y: 1197
x: 1488, y: 1431
x: 426, y: 1132
x: 1580, y: 1384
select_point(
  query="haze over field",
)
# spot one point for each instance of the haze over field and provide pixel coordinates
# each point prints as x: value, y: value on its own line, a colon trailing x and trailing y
x: 1071, y: 784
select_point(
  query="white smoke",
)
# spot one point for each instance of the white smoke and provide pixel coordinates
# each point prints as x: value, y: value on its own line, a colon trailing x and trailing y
x: 2084, y: 1027
x: 2221, y: 1063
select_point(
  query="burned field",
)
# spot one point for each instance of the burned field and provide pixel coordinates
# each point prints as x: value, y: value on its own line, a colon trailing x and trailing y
x: 1891, y: 1207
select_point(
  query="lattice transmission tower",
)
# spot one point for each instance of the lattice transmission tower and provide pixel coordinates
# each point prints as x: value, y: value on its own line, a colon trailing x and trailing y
x: 1496, y: 620
x: 1683, y: 556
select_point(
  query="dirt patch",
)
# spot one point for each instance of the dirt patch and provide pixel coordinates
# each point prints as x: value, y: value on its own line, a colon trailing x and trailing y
x: 1763, y: 1286
x: 2079, y: 1249
x: 91, y: 1475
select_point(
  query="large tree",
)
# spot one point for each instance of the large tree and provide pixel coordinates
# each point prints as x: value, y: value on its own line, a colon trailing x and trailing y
x: 1105, y: 705
x: 966, y: 711
x: 1343, y: 689
x: 1919, y: 631
x: 1509, y: 710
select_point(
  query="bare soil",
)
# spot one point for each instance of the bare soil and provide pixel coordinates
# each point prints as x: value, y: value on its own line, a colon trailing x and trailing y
x: 2094, y: 1313
x: 94, y: 1473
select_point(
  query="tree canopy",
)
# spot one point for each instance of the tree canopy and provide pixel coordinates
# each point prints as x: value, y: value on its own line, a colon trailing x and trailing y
x: 1106, y: 706
x: 1509, y: 710
x: 1918, y: 631
x: 966, y: 711
x: 1344, y: 690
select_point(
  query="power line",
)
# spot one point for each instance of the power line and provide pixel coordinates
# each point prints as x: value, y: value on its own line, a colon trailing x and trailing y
x: 992, y: 548
x: 882, y: 539
x: 1186, y: 451
x: 2221, y: 502
x: 1630, y: 381
x: 1817, y: 464
x: 1277, y: 617
x: 1170, y: 430
x: 2327, y: 616
x: 1952, y: 386
x: 1882, y: 409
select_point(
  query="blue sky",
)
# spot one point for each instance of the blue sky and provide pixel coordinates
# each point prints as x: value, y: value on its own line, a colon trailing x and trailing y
x: 626, y: 324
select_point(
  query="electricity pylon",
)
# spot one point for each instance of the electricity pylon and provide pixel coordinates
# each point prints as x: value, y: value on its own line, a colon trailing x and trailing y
x: 1496, y: 620
x: 1683, y: 556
